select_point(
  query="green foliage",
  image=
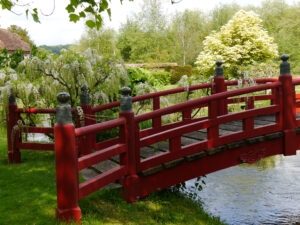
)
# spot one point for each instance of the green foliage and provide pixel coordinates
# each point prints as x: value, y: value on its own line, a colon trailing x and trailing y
x: 55, y: 48
x: 102, y: 41
x: 23, y: 33
x: 187, y: 30
x: 154, y: 78
x: 242, y: 41
x: 144, y: 37
x: 178, y: 71
x: 10, y: 60
x: 77, y: 10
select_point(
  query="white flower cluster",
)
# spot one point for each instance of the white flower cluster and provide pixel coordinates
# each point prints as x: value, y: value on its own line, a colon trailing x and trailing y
x: 242, y: 41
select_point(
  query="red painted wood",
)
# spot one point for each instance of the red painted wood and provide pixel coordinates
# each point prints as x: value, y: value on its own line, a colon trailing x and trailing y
x: 184, y: 129
x: 107, y: 143
x: 89, y: 140
x: 97, y: 157
x: 175, y: 144
x: 156, y: 122
x: 203, y: 166
x: 152, y: 95
x: 101, y: 180
x: 97, y: 128
x: 195, y: 102
x: 150, y: 131
x: 66, y: 173
x: 131, y: 179
x: 220, y: 87
x: 170, y: 156
x: 13, y: 153
x: 36, y: 146
x: 213, y: 130
x: 248, y: 123
x: 289, y: 113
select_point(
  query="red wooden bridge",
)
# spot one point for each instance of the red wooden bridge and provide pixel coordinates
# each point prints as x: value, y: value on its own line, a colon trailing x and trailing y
x: 165, y: 154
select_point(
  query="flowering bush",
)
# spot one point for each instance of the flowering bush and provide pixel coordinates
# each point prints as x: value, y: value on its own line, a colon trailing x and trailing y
x: 38, y: 79
x: 241, y: 42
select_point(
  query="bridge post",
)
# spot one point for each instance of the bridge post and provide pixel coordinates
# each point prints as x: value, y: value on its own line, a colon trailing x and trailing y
x: 220, y: 87
x: 86, y: 142
x: 288, y: 107
x: 14, y: 155
x: 131, y: 182
x: 67, y: 183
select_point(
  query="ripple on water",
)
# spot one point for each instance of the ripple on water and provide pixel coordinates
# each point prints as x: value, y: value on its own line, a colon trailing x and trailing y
x: 266, y: 193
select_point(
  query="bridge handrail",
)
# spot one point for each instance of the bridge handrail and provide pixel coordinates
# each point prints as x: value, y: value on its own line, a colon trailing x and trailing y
x: 175, y: 91
x: 179, y: 107
x: 96, y: 128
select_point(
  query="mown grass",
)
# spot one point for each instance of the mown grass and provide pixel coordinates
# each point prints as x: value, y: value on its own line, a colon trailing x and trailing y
x: 28, y: 196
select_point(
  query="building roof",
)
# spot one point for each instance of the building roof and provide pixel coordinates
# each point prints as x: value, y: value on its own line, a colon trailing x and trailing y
x: 12, y: 42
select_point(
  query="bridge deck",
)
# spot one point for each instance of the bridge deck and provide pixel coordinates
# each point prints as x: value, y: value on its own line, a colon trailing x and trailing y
x: 186, y: 139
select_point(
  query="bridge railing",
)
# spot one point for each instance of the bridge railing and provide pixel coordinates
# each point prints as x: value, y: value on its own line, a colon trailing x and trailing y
x: 211, y: 123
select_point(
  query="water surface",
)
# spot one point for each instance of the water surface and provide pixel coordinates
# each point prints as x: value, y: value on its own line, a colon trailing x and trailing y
x: 265, y: 193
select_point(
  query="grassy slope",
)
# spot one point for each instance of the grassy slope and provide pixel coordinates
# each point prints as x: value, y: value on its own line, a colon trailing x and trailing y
x: 28, y: 196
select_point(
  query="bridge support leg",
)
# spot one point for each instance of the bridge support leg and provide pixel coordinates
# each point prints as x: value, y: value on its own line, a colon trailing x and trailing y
x: 66, y: 163
x: 13, y: 153
x: 288, y: 107
x: 131, y: 182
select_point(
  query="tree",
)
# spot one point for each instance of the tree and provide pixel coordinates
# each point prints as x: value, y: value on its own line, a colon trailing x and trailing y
x: 143, y: 38
x: 103, y: 41
x: 187, y: 31
x: 241, y: 42
x: 23, y: 33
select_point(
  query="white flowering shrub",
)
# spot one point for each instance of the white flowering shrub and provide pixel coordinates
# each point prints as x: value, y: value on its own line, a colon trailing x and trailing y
x: 241, y: 42
x: 38, y: 79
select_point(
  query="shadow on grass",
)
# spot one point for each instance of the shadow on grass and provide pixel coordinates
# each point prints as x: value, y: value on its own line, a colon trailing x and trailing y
x: 28, y: 196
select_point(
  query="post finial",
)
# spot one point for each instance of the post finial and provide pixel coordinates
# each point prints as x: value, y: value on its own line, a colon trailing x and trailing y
x: 63, y: 110
x: 12, y: 97
x: 126, y: 100
x: 219, y: 69
x: 84, y: 95
x: 285, y: 65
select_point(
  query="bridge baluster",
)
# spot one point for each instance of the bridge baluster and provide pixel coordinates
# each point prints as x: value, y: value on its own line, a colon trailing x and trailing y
x: 156, y: 122
x: 248, y: 123
x: 288, y: 107
x: 66, y: 162
x: 220, y: 87
x: 87, y: 142
x: 213, y: 131
x: 131, y: 182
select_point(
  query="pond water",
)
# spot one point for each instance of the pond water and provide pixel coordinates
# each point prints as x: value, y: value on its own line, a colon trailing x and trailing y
x: 267, y: 192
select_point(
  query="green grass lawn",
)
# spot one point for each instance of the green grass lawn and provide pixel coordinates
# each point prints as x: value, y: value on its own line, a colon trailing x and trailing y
x: 28, y: 196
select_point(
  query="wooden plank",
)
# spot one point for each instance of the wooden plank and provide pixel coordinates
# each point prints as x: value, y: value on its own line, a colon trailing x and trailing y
x: 88, y: 173
x: 147, y: 152
x: 96, y: 157
x: 105, y: 166
x: 101, y: 180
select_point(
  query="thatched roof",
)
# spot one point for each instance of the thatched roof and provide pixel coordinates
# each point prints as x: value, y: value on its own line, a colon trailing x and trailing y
x: 12, y: 41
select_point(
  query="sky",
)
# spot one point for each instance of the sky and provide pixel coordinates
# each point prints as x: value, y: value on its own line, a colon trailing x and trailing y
x: 56, y: 29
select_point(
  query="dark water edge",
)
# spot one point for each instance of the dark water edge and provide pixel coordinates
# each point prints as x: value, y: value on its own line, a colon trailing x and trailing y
x: 264, y: 193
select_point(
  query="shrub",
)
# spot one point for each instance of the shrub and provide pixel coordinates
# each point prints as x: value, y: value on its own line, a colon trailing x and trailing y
x: 178, y: 71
